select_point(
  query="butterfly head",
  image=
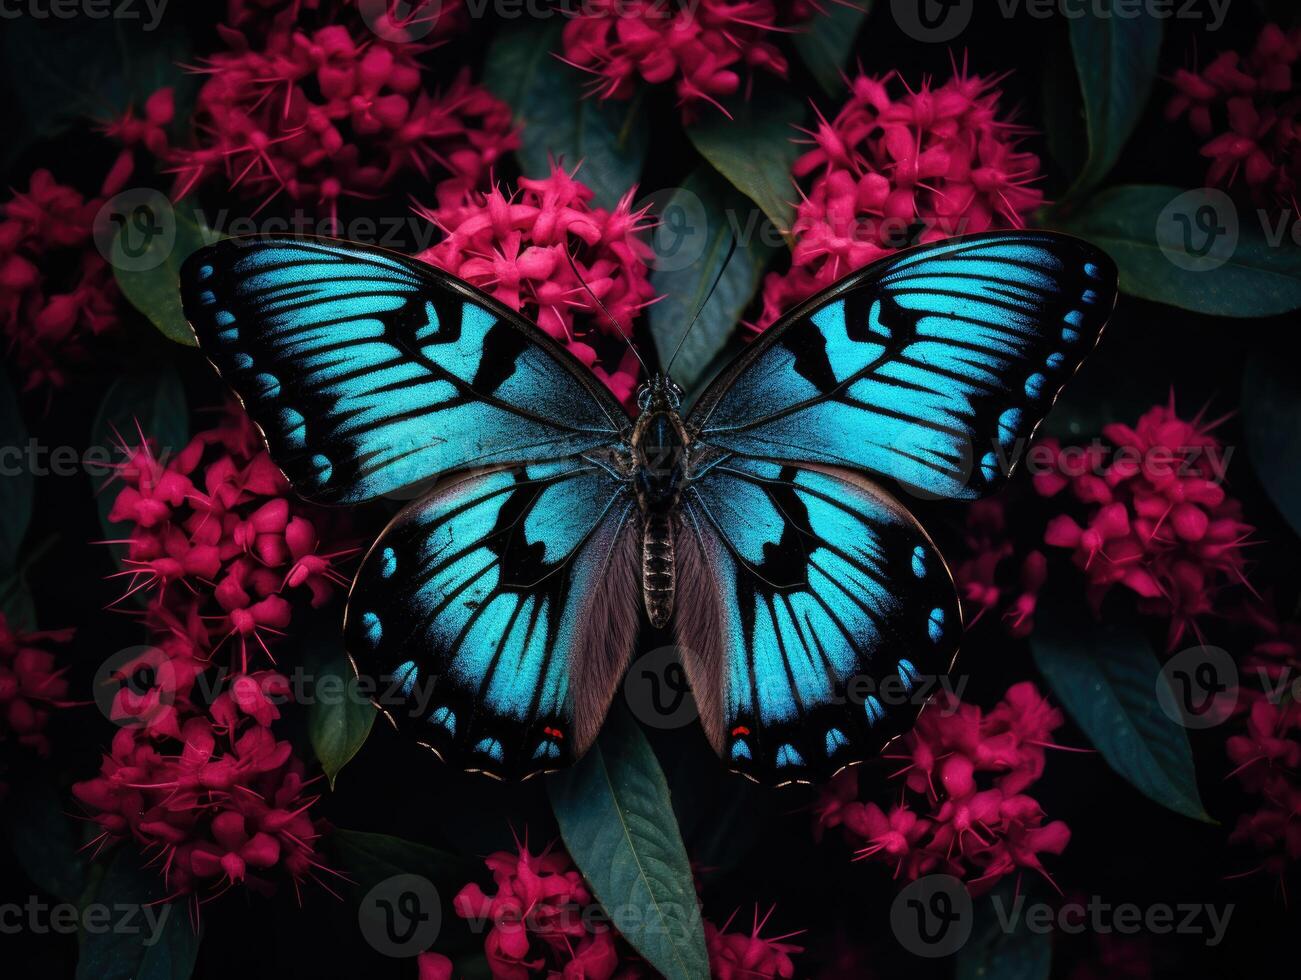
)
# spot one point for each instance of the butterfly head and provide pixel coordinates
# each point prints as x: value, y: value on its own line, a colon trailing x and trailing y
x: 659, y: 394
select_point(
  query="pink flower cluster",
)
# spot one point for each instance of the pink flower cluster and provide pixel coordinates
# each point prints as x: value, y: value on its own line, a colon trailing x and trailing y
x: 1157, y: 520
x: 320, y: 115
x: 56, y: 290
x: 201, y: 782
x: 31, y: 684
x: 699, y: 47
x: 1266, y: 756
x: 889, y: 171
x: 518, y: 248
x: 544, y: 922
x: 964, y: 810
x: 747, y: 955
x: 540, y: 919
x: 215, y: 528
x: 1249, y: 112
x: 995, y: 576
x: 1266, y: 752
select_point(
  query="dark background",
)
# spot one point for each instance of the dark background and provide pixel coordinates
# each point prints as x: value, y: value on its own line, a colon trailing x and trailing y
x: 756, y: 843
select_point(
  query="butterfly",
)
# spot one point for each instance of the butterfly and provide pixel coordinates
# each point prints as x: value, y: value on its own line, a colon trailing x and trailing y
x: 500, y: 610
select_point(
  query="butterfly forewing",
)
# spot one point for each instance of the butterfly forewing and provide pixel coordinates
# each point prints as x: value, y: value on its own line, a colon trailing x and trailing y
x: 368, y: 371
x: 931, y: 368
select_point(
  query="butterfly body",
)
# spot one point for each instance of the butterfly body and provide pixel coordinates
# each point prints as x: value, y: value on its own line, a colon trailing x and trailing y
x: 660, y: 450
x: 499, y: 611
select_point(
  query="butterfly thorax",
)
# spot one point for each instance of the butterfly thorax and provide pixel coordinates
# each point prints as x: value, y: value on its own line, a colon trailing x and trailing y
x: 659, y: 448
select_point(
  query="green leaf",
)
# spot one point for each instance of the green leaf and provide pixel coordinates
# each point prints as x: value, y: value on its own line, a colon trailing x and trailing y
x: 152, y: 402
x: 369, y: 860
x: 1107, y: 677
x: 755, y: 149
x: 1145, y: 228
x: 608, y: 137
x: 616, y: 818
x: 151, y: 243
x: 17, y: 601
x: 135, y: 935
x: 43, y: 839
x: 17, y: 482
x: 339, y: 717
x: 1002, y: 945
x: 1116, y: 61
x: 827, y: 40
x: 1271, y: 405
x: 697, y: 225
x: 372, y: 858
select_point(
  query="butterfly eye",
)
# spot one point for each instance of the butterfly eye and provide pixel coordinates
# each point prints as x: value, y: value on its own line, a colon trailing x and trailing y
x: 643, y: 397
x: 674, y: 395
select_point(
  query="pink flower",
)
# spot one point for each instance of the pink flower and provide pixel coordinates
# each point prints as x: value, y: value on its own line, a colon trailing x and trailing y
x: 203, y: 781
x: 995, y: 576
x: 963, y: 810
x: 434, y: 966
x: 541, y: 921
x: 518, y: 248
x: 31, y: 683
x: 1252, y: 102
x: 57, y: 293
x: 1156, y: 519
x: 226, y: 805
x: 887, y: 172
x: 746, y: 956
x: 323, y: 114
x: 701, y: 49
x: 216, y: 526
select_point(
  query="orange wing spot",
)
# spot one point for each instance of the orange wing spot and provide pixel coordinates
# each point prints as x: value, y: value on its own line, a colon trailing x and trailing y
x: 555, y: 733
x: 740, y: 730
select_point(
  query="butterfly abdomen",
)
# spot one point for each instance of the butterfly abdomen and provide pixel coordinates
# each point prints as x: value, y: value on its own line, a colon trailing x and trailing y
x: 657, y: 570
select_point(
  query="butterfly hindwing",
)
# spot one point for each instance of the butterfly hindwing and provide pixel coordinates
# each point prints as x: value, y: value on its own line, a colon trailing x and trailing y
x: 932, y: 367
x: 368, y: 371
x: 495, y: 617
x: 822, y: 616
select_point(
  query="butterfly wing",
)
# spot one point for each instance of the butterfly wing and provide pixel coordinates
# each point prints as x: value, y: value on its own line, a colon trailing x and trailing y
x: 932, y: 367
x: 496, y: 616
x: 822, y: 616
x: 368, y: 371
x: 827, y: 616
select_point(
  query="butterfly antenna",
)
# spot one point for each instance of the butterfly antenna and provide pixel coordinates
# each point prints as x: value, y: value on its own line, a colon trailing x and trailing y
x: 731, y: 250
x: 597, y: 300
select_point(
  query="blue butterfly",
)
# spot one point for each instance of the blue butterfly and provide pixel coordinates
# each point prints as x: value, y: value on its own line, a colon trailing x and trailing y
x: 502, y: 607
